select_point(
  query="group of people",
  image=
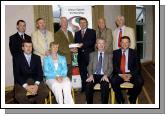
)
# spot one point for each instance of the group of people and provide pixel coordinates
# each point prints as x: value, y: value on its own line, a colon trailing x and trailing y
x: 45, y: 60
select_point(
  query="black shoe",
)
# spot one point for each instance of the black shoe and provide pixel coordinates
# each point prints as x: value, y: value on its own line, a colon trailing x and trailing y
x: 82, y: 90
x: 132, y: 100
x: 121, y: 101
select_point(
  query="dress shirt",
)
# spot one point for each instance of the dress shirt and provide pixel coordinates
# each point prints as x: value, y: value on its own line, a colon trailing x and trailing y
x: 28, y: 58
x: 122, y: 28
x: 126, y: 63
x: 21, y: 33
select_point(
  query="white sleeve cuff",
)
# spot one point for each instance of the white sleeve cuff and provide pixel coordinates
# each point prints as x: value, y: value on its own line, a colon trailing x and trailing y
x: 25, y: 85
x: 37, y: 82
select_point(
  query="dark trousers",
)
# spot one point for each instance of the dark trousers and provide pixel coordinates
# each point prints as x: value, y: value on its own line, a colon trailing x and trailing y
x: 134, y: 92
x: 104, y: 90
x: 83, y: 60
x: 21, y: 98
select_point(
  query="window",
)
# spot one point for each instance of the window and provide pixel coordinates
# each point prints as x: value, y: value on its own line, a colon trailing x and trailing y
x: 140, y: 27
x: 56, y: 17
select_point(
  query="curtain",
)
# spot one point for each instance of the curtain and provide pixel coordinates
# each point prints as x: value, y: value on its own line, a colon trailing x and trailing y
x: 97, y: 12
x: 129, y: 12
x: 45, y: 12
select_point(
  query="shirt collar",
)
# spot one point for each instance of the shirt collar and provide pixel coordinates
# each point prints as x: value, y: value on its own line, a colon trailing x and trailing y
x: 125, y: 50
x: 27, y: 55
x: 122, y: 27
x: 100, y: 52
x: 84, y: 30
x: 20, y: 33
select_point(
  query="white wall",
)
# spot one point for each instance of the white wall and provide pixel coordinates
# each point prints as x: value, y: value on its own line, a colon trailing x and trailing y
x: 110, y: 13
x: 12, y: 14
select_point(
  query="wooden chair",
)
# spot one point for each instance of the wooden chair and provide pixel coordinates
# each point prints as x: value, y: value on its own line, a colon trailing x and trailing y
x: 97, y: 87
x: 125, y: 85
x: 47, y: 100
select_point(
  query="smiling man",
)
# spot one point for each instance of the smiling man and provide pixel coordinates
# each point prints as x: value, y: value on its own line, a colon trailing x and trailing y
x: 29, y: 77
x: 126, y: 68
x: 99, y: 71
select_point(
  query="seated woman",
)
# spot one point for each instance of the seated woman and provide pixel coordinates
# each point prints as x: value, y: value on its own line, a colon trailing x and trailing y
x: 55, y: 71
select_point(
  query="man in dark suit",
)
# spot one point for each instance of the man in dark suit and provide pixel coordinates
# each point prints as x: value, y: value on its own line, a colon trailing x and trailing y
x: 99, y: 71
x: 29, y: 76
x: 15, y: 41
x: 126, y: 67
x: 86, y: 38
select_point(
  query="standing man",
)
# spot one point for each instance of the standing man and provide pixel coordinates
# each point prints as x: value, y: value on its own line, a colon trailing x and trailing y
x: 126, y: 67
x: 121, y: 31
x: 105, y: 33
x: 29, y: 76
x: 15, y: 41
x: 41, y: 39
x: 64, y: 37
x: 86, y: 38
x: 99, y: 71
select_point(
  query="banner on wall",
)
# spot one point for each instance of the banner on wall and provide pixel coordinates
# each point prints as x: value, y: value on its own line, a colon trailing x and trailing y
x: 73, y: 13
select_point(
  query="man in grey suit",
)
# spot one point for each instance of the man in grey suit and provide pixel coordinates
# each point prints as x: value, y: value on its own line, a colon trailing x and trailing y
x: 99, y: 71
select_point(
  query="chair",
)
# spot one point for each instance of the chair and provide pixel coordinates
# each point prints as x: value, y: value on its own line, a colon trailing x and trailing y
x: 47, y: 100
x: 97, y: 87
x: 125, y: 85
x: 73, y: 94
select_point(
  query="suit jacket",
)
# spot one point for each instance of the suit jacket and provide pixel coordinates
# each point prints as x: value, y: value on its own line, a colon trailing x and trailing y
x: 107, y: 35
x: 88, y: 40
x: 107, y: 63
x: 49, y: 69
x: 64, y: 42
x: 128, y: 31
x: 24, y: 71
x: 133, y: 62
x: 39, y: 42
x: 15, y: 44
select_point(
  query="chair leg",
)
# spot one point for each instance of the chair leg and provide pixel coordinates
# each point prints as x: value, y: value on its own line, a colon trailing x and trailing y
x: 113, y: 97
x: 50, y: 97
x: 46, y: 101
x: 137, y: 100
x: 73, y: 94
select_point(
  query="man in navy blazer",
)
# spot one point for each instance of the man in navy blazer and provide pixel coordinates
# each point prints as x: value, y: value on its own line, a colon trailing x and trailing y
x: 29, y: 76
x: 126, y: 67
x: 15, y: 41
x: 86, y: 38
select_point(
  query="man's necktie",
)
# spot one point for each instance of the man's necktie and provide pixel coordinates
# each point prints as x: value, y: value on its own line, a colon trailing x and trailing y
x: 82, y: 33
x: 123, y: 60
x: 99, y: 65
x: 29, y: 60
x: 119, y: 38
x: 22, y: 37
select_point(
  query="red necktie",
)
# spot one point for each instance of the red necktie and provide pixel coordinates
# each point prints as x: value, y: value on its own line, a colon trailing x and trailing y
x: 123, y: 60
x: 119, y: 39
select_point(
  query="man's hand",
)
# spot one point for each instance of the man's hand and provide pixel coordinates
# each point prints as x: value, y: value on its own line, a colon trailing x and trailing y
x: 125, y: 77
x: 90, y: 79
x: 59, y: 79
x: 74, y: 50
x: 32, y: 89
x: 105, y: 78
x: 80, y: 45
x: 35, y: 89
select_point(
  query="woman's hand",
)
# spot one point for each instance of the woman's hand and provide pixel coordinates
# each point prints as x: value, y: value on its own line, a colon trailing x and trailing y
x: 59, y: 79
